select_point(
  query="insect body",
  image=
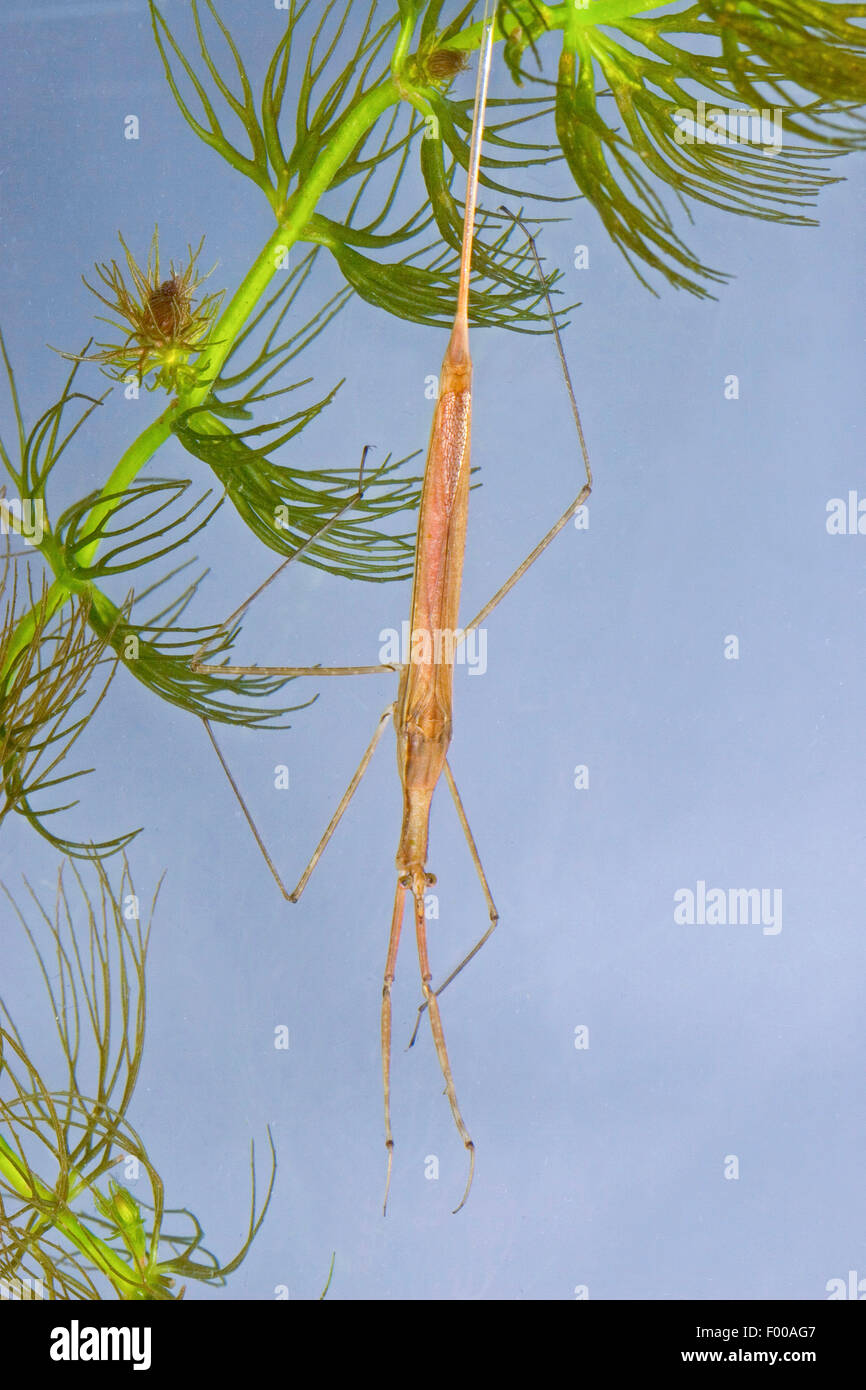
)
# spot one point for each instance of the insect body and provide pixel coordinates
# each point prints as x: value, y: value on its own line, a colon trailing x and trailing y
x: 422, y: 712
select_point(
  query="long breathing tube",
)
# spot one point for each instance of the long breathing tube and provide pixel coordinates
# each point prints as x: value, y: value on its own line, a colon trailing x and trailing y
x: 475, y: 162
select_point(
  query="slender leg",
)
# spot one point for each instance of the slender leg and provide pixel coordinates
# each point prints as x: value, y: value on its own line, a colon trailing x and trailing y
x: 344, y: 801
x: 529, y: 561
x: 293, y: 670
x: 199, y: 666
x: 388, y: 980
x: 587, y: 487
x: 332, y: 824
x: 419, y: 884
x: 491, y: 906
x: 226, y: 670
x: 246, y: 810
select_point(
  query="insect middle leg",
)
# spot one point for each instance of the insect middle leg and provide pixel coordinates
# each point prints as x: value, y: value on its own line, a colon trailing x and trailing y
x: 226, y: 670
x: 333, y: 822
x: 200, y: 666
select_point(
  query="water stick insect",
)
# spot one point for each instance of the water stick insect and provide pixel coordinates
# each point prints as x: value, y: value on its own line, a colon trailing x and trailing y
x: 422, y: 711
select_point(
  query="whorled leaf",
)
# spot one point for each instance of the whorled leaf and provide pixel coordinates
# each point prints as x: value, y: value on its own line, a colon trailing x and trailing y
x: 286, y: 507
x: 783, y: 49
x: 282, y: 504
x: 40, y: 448
x: 42, y: 686
x: 67, y: 1225
x: 800, y: 63
x: 326, y: 105
x: 807, y: 57
x: 112, y: 532
x: 439, y: 180
x: 526, y: 24
x: 426, y: 294
x: 268, y: 162
x: 158, y: 652
x: 129, y: 528
x: 274, y: 352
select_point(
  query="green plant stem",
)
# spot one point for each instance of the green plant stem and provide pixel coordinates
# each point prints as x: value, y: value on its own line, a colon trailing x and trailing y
x: 567, y: 17
x: 124, y: 1280
x: 401, y: 48
x: 289, y: 230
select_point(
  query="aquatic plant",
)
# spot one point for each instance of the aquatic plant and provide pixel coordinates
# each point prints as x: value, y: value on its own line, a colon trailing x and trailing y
x: 68, y: 1228
x: 370, y: 84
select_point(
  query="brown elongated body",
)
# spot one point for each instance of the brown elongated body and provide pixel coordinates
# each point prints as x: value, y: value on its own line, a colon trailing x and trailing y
x: 423, y: 712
